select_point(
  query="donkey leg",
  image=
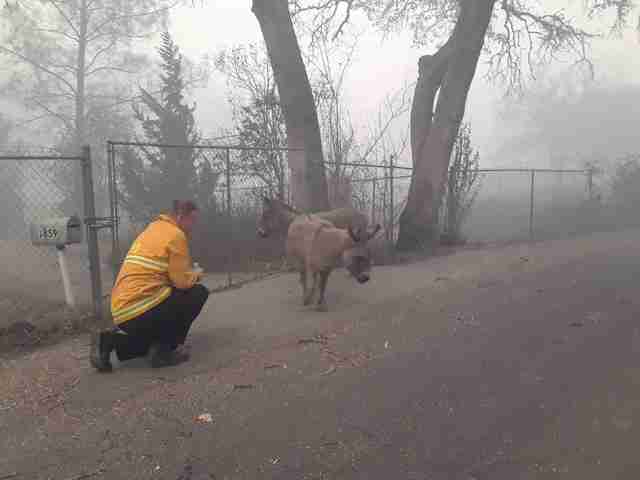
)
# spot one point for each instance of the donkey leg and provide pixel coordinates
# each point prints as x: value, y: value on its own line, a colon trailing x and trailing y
x: 303, y: 284
x: 311, y: 292
x: 322, y: 304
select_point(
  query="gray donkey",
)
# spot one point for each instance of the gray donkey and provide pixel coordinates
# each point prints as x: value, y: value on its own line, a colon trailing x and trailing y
x: 314, y: 245
x: 277, y: 216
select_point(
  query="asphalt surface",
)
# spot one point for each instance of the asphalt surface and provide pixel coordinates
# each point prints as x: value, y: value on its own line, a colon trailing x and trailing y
x: 516, y: 363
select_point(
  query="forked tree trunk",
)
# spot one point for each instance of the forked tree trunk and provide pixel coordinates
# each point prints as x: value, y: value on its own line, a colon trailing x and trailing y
x: 308, y: 178
x: 448, y: 73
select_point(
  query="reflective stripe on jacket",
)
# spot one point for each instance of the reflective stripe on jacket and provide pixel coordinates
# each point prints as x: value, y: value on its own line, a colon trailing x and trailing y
x: 158, y: 260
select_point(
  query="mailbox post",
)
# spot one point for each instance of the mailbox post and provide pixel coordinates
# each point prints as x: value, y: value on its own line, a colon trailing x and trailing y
x: 59, y: 232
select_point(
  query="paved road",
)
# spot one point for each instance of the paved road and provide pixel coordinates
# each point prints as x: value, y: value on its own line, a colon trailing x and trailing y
x: 518, y: 363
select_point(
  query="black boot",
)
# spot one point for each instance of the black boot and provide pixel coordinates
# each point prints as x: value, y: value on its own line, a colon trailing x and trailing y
x: 163, y: 356
x: 101, y: 348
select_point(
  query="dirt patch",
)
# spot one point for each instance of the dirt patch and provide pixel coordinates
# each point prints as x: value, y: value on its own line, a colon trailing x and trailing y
x: 23, y: 337
x: 28, y: 323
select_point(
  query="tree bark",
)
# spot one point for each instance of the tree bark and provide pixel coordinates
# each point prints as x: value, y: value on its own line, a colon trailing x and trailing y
x: 308, y: 178
x: 431, y: 71
x: 449, y: 73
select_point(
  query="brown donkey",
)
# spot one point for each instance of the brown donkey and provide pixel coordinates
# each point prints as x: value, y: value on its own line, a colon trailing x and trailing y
x: 277, y: 216
x: 314, y: 245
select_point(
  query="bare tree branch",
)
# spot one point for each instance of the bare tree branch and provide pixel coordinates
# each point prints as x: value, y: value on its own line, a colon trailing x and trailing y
x: 57, y: 32
x: 521, y: 38
x: 38, y: 66
x: 324, y: 13
x: 109, y: 69
x: 547, y: 36
x: 116, y: 17
x: 101, y: 51
x: 394, y: 106
x: 623, y: 9
x: 65, y: 17
x: 66, y: 120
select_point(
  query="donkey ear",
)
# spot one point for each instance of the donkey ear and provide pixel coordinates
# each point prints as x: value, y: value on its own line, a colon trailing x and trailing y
x: 375, y: 231
x: 354, y: 235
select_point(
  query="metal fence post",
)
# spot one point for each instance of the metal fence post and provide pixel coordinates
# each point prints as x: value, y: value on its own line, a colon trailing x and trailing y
x: 531, y: 202
x: 229, y: 218
x: 391, y: 199
x: 373, y: 201
x: 590, y: 183
x: 385, y: 201
x: 384, y: 210
x: 113, y: 208
x: 92, y: 235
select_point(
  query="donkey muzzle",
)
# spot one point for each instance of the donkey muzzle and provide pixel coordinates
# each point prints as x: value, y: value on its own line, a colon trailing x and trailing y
x: 363, y: 278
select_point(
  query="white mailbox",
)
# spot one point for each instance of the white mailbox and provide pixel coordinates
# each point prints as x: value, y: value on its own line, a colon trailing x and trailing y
x: 57, y: 232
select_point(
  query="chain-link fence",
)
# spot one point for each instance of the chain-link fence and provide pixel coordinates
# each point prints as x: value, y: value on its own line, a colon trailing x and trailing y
x: 229, y: 182
x: 505, y: 205
x: 520, y: 204
x: 35, y: 187
x: 499, y: 205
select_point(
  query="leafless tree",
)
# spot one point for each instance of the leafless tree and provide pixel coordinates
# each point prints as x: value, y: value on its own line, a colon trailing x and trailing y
x: 258, y: 115
x: 69, y: 59
x: 309, y: 184
x: 516, y: 36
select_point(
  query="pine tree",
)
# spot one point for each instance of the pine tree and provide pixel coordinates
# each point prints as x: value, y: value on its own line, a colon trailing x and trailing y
x: 154, y: 176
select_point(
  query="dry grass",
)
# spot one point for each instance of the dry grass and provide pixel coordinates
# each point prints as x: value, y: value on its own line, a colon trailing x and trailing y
x: 29, y: 322
x: 32, y: 307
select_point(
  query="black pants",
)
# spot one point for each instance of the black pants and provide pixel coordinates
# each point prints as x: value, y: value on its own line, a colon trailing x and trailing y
x: 166, y: 324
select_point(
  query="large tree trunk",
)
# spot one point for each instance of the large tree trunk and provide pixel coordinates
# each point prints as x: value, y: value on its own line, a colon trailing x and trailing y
x: 449, y: 73
x: 309, y: 184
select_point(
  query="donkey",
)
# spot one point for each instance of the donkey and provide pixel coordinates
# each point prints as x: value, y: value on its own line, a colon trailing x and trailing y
x: 315, y: 245
x: 277, y: 216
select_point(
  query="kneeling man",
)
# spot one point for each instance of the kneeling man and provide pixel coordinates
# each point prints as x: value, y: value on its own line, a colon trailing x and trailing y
x: 156, y: 296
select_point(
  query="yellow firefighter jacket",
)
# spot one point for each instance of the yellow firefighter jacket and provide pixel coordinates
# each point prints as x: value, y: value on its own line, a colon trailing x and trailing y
x: 158, y: 259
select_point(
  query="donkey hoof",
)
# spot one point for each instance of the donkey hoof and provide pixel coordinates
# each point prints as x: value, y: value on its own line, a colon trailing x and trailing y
x: 306, y: 301
x: 322, y: 307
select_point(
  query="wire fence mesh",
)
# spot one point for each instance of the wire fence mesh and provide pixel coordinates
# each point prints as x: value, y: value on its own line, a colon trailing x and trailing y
x: 35, y: 185
x: 228, y: 185
x: 561, y: 204
x: 516, y: 205
x: 229, y: 182
x: 501, y: 208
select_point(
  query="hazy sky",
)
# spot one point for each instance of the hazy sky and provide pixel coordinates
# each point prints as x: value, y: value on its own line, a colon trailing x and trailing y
x: 381, y: 67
